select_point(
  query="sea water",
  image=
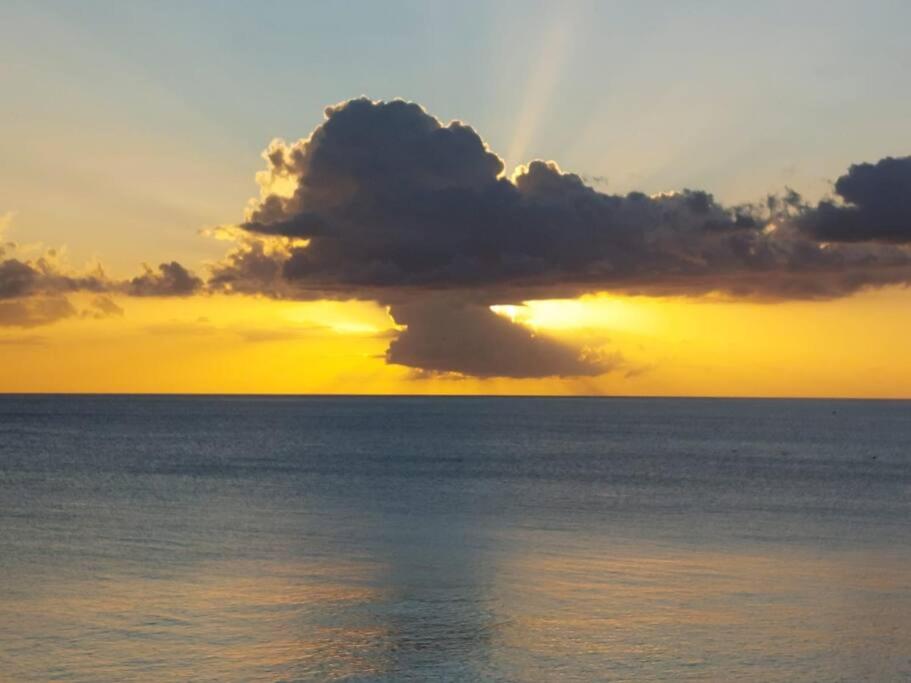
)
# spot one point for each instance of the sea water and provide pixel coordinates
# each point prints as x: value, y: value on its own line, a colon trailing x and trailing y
x: 501, y: 539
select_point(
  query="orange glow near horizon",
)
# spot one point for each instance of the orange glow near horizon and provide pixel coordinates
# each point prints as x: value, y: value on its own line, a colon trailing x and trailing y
x: 671, y: 346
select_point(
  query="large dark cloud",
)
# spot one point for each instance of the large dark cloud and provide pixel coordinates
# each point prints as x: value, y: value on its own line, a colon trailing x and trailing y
x: 876, y: 205
x: 387, y: 203
x: 388, y: 197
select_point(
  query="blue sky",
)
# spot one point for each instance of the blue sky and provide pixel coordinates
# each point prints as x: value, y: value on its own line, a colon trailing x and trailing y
x: 127, y: 127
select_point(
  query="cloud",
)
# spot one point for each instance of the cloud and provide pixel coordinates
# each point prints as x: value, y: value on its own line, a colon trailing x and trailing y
x: 34, y: 312
x: 16, y: 279
x: 21, y: 278
x: 875, y: 205
x: 384, y: 202
x: 34, y: 290
x: 171, y: 279
x: 50, y: 275
x: 103, y: 307
x: 452, y: 336
x: 387, y: 197
x: 254, y: 267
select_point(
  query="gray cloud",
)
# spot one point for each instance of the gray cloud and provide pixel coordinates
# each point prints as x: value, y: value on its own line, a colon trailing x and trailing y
x: 251, y: 268
x: 17, y: 279
x: 453, y: 336
x: 33, y: 291
x: 390, y: 198
x: 389, y: 204
x: 43, y: 276
x: 21, y: 278
x: 875, y: 205
x: 171, y: 279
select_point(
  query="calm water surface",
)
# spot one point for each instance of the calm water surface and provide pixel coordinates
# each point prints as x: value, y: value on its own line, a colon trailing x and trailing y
x: 286, y: 539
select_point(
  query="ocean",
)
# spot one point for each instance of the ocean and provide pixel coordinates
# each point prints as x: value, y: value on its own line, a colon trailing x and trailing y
x: 475, y: 539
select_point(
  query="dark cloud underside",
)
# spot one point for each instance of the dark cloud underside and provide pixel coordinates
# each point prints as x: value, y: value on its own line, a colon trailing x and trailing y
x: 447, y: 336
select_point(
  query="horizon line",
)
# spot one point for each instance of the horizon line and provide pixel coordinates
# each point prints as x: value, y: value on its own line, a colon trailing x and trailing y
x: 156, y: 394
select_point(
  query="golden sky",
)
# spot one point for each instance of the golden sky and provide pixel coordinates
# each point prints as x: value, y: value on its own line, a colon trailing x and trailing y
x: 786, y: 315
x: 120, y: 156
x: 672, y: 346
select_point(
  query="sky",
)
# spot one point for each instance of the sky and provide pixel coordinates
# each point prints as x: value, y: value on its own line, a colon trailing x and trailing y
x: 150, y: 246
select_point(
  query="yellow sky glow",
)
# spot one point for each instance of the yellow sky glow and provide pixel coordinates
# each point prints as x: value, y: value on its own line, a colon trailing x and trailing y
x: 673, y: 346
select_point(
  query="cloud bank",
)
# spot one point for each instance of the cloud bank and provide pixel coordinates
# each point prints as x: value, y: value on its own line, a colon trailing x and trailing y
x: 384, y: 202
x: 34, y: 291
